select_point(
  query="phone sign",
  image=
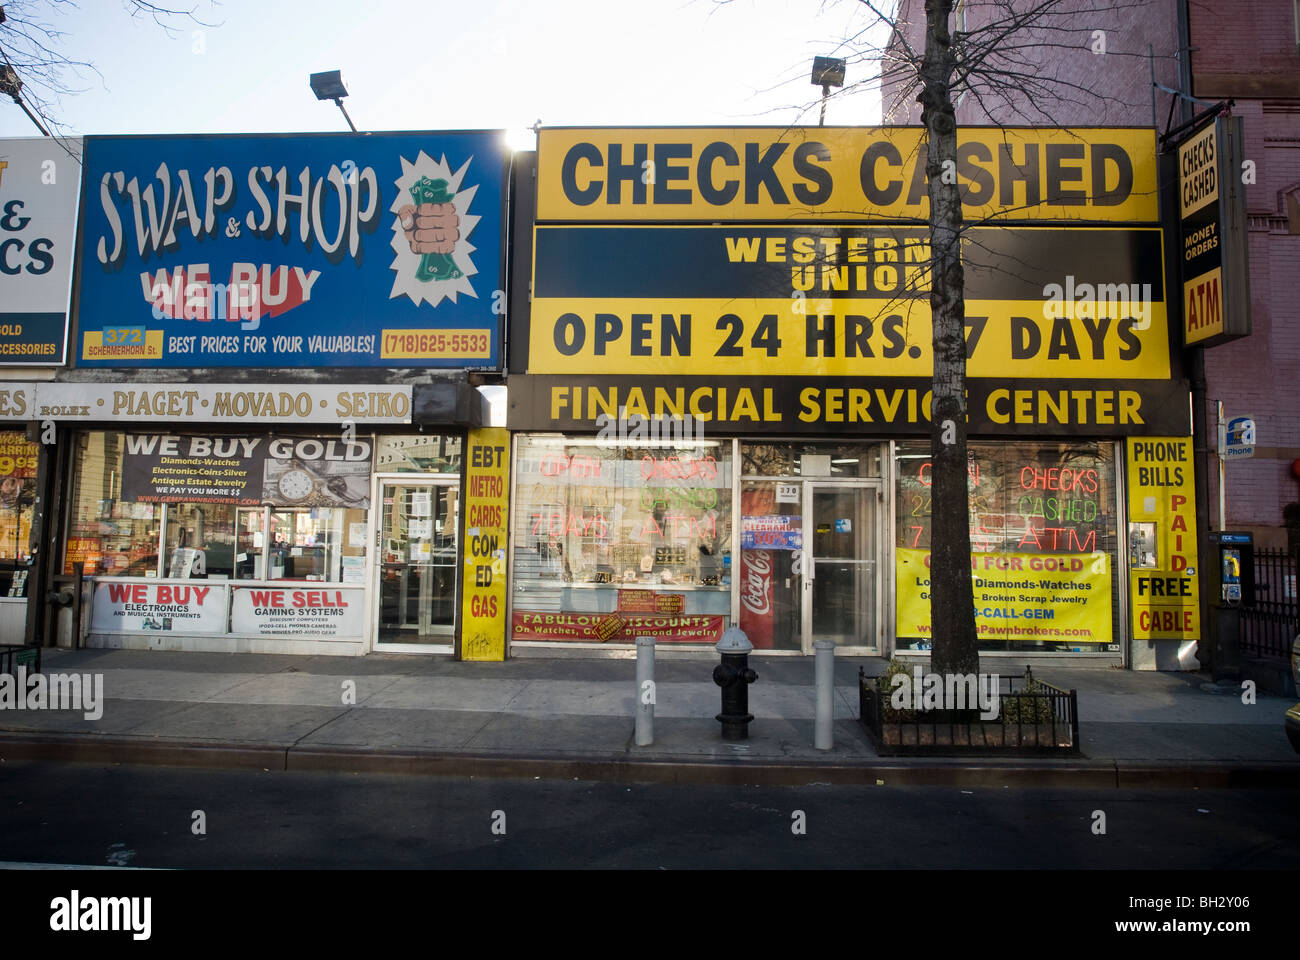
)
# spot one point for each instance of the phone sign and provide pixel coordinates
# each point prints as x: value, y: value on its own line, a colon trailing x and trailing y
x: 1239, y: 439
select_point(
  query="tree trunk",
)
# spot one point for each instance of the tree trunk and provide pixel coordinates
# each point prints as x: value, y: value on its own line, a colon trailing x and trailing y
x: 952, y: 608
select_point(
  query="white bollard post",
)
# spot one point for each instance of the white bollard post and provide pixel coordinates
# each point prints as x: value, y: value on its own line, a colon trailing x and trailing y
x: 645, y: 691
x: 823, y: 737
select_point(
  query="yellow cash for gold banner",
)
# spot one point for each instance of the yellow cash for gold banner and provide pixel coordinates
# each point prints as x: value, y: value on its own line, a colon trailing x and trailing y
x: 1063, y: 598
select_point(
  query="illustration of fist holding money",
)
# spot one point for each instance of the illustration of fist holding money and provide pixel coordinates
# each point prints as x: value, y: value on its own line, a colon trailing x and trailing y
x: 432, y: 228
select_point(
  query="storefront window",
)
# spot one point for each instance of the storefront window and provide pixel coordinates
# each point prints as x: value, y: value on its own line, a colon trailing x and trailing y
x: 613, y: 543
x: 318, y: 544
x: 250, y: 536
x: 1043, y: 545
x: 18, y: 460
x: 432, y: 453
x: 112, y: 536
x: 272, y: 508
x: 811, y: 460
x: 200, y: 540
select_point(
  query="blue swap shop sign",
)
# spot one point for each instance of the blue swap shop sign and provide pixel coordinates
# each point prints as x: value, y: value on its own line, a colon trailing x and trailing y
x: 293, y: 251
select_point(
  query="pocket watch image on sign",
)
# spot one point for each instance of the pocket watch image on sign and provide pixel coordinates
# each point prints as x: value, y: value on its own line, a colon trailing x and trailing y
x: 296, y: 483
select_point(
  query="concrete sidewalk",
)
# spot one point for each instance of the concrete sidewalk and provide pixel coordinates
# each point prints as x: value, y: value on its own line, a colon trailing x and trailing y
x: 568, y: 717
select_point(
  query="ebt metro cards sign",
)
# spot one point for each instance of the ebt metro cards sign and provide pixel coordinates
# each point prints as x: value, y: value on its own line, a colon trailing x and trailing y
x: 316, y: 250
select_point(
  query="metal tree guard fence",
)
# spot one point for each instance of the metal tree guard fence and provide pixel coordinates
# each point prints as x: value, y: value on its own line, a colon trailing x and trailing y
x: 1035, y: 718
x: 1270, y: 624
x: 14, y: 656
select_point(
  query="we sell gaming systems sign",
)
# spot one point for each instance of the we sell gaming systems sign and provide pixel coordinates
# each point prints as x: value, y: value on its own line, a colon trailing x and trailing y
x: 292, y: 251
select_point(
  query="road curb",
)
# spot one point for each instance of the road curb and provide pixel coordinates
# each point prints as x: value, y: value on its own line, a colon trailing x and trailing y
x: 180, y: 753
x: 1077, y: 774
x: 1137, y: 775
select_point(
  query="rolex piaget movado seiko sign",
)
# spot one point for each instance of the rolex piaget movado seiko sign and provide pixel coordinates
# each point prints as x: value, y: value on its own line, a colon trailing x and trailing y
x: 211, y: 402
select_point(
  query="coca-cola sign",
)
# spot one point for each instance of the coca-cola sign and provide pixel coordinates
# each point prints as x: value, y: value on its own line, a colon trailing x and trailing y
x: 756, y: 590
x: 756, y: 597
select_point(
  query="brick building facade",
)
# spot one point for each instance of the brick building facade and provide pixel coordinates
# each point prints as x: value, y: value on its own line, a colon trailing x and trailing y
x: 1248, y: 52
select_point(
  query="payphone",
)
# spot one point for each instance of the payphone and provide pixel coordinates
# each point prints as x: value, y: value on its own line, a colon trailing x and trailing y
x: 1143, y: 546
x: 1234, y: 569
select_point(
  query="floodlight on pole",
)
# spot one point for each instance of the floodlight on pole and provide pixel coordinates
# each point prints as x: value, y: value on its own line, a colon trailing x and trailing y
x: 11, y: 86
x: 827, y: 72
x: 329, y: 86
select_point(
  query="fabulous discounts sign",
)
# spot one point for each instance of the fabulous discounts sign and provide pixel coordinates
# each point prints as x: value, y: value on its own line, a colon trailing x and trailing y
x: 279, y: 251
x: 38, y: 225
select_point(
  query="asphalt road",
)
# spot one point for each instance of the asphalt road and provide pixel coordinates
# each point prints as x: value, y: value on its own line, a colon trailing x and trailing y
x: 143, y: 816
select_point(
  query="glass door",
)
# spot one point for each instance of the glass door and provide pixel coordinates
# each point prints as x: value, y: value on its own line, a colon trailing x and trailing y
x: 417, y: 562
x: 841, y: 567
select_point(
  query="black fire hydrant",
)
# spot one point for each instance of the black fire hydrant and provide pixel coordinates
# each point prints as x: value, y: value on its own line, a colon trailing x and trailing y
x: 734, y: 677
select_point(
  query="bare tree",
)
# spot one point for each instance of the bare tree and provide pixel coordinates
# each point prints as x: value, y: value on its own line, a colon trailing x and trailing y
x: 36, y: 69
x: 955, y: 645
x: 1010, y: 58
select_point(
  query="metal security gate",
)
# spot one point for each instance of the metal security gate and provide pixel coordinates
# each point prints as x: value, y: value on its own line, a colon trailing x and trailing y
x: 1270, y: 624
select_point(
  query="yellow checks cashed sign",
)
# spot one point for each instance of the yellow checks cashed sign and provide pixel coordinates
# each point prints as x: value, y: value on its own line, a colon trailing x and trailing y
x: 483, y: 593
x: 1063, y: 598
x: 838, y: 173
x: 760, y: 251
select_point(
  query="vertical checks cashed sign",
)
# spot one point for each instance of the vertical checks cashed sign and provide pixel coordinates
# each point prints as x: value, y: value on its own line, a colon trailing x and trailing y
x: 1212, y: 216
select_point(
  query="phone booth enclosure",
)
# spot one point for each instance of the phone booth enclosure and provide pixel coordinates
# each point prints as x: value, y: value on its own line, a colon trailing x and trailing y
x: 1234, y: 566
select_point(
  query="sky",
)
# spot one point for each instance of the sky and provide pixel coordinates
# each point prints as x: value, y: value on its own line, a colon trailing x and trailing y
x: 438, y: 65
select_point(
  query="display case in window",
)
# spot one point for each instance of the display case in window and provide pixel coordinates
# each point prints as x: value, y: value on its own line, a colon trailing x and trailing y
x: 634, y: 535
